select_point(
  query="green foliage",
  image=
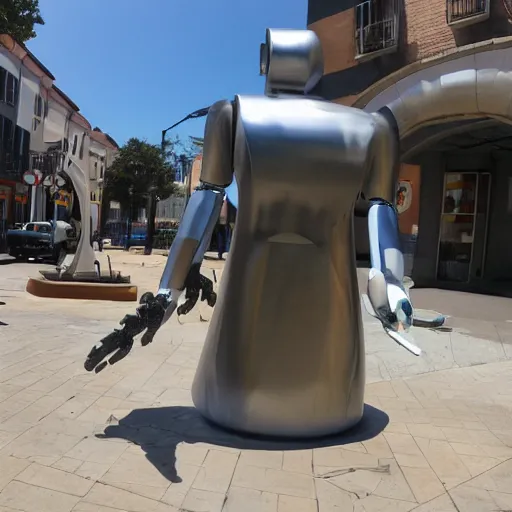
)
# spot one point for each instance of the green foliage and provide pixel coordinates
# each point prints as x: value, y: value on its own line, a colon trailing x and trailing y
x: 18, y: 17
x: 138, y: 167
x: 197, y: 141
x: 164, y: 238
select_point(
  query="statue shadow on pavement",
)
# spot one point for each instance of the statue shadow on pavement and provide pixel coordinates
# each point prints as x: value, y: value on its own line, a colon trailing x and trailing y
x: 158, y: 431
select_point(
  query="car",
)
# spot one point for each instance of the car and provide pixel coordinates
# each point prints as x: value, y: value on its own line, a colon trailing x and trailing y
x: 41, y: 240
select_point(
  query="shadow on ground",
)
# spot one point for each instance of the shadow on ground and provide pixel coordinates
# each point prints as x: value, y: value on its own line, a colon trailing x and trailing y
x: 158, y: 431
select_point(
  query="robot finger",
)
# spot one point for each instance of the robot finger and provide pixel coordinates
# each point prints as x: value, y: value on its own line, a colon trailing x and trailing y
x: 120, y: 354
x: 114, y: 341
x: 101, y: 350
x: 188, y: 305
x: 148, y: 336
x: 207, y: 293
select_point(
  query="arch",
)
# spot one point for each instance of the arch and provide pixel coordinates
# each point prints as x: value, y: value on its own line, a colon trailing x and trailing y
x: 475, y: 86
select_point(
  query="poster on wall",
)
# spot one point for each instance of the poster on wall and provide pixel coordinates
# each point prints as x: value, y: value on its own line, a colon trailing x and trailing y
x: 403, y: 196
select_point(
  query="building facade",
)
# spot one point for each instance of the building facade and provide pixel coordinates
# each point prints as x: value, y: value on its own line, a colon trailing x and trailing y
x: 16, y: 82
x: 43, y: 131
x: 444, y: 69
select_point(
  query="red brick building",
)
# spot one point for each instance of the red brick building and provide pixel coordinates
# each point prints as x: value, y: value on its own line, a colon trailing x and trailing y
x: 444, y: 69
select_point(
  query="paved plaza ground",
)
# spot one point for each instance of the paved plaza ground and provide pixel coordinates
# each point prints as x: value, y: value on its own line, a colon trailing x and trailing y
x: 436, y: 436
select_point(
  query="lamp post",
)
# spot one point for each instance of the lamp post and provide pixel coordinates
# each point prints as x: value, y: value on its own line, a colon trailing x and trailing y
x: 151, y: 208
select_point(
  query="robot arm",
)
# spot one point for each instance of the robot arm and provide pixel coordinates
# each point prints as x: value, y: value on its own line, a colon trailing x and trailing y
x: 182, y: 270
x: 386, y: 292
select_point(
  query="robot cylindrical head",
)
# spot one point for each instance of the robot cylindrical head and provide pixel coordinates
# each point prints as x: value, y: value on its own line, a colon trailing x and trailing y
x: 292, y: 61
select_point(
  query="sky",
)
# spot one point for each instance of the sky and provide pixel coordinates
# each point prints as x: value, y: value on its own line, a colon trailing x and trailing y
x: 136, y: 67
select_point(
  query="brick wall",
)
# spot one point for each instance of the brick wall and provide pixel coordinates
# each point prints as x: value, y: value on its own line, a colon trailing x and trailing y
x: 338, y: 43
x: 426, y: 30
x: 424, y: 33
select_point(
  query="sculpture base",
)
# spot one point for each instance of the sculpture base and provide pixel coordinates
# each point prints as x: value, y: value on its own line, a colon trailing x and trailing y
x: 85, y: 290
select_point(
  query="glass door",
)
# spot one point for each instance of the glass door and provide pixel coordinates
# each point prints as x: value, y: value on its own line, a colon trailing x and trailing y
x: 463, y: 230
x: 457, y: 227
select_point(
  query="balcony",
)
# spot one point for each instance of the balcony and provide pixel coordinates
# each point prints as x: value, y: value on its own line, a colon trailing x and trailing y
x: 461, y: 13
x: 376, y: 28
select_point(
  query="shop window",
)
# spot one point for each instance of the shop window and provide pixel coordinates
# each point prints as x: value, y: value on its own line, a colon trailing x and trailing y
x: 461, y: 253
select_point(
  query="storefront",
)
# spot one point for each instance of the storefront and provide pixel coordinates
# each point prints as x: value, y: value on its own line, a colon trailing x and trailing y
x: 14, y: 201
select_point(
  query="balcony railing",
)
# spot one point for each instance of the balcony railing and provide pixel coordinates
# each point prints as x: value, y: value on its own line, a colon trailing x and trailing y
x: 466, y: 12
x: 376, y: 28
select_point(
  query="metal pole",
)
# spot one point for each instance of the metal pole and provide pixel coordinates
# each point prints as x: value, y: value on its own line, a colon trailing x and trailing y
x: 151, y: 206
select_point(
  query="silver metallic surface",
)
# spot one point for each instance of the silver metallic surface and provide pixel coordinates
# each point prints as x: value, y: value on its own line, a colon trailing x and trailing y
x: 217, y: 167
x: 284, y: 354
x: 292, y: 61
x: 474, y: 86
x: 194, y: 233
x: 386, y: 290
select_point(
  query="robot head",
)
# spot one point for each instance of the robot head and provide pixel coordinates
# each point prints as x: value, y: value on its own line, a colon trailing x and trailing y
x: 292, y: 61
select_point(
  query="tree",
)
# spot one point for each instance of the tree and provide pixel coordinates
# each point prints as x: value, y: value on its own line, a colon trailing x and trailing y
x: 138, y: 169
x: 18, y: 17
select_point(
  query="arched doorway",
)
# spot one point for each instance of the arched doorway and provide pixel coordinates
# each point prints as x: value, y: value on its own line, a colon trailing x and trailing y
x: 455, y: 123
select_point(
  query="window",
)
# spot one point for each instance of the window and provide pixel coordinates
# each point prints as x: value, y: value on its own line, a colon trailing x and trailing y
x: 3, y: 78
x: 466, y: 12
x: 11, y: 89
x: 7, y: 141
x: 75, y: 143
x: 376, y: 27
x: 25, y: 151
x: 82, y: 144
x: 38, y: 106
x: 38, y: 112
x: 102, y: 172
x: 95, y: 170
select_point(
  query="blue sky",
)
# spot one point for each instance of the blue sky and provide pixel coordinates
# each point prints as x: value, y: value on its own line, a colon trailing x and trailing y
x: 135, y: 68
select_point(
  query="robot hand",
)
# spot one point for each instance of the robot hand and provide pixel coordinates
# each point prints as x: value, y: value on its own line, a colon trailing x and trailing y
x: 389, y: 303
x: 197, y: 283
x: 149, y: 316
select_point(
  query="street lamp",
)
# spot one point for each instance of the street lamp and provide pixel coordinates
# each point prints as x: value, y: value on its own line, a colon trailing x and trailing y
x: 152, y: 196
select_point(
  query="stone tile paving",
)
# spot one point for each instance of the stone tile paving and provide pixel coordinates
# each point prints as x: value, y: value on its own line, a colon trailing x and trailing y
x: 436, y: 437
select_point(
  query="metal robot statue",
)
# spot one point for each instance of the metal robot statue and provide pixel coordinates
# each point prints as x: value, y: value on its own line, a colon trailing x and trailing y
x: 284, y: 354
